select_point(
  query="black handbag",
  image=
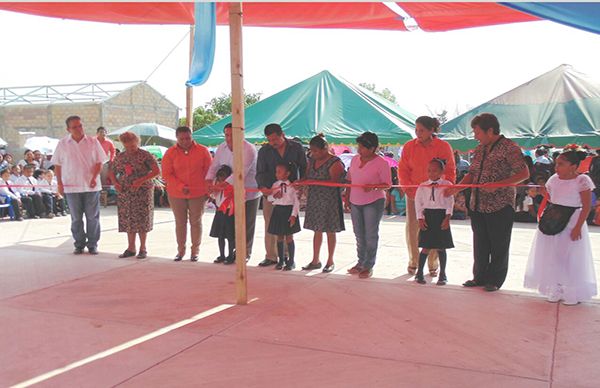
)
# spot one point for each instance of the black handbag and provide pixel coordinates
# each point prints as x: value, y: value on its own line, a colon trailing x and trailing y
x: 555, y: 218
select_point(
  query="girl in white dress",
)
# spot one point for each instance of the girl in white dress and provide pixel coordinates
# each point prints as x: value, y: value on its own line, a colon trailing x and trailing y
x: 561, y: 266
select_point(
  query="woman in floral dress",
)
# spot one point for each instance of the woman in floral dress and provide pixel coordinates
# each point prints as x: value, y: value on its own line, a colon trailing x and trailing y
x: 132, y: 172
x: 324, y: 209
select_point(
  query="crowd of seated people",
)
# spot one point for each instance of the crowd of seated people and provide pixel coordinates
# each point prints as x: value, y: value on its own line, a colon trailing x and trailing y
x: 28, y: 188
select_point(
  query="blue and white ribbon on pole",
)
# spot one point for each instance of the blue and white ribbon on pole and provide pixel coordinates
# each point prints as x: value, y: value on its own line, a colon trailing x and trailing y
x: 204, y: 43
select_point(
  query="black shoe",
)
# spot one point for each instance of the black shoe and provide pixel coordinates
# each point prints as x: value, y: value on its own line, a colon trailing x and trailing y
x: 442, y: 280
x: 18, y: 219
x: 419, y: 278
x: 279, y: 265
x: 328, y: 268
x: 178, y: 258
x: 471, y: 283
x: 142, y: 254
x: 266, y: 263
x: 230, y: 259
x: 64, y: 214
x: 78, y: 251
x: 219, y: 260
x: 127, y: 253
x: 310, y: 266
x: 194, y: 258
x: 490, y: 287
x: 289, y: 266
x: 93, y: 251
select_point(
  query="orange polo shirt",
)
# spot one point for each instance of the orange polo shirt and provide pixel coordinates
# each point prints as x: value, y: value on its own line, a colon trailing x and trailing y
x: 186, y: 168
x: 412, y: 169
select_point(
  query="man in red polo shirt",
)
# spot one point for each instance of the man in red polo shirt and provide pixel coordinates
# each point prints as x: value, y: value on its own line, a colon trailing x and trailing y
x: 109, y: 149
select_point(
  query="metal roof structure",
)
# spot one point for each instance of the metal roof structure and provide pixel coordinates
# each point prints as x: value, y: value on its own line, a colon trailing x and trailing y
x: 67, y: 93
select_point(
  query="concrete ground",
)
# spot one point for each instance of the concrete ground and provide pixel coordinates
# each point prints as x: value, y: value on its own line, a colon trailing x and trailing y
x: 71, y: 319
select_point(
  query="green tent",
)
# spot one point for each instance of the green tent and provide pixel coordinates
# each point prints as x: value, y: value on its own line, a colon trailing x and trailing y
x: 324, y: 104
x: 559, y: 107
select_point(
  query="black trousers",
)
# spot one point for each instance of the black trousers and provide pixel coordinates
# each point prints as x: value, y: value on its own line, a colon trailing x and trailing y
x: 491, y: 244
x: 48, y: 200
x: 33, y: 204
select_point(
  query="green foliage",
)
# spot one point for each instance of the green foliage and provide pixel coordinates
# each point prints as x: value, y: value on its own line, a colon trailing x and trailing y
x: 217, y: 108
x: 385, y: 93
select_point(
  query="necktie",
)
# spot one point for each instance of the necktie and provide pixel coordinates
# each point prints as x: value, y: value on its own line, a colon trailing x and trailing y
x: 433, y: 184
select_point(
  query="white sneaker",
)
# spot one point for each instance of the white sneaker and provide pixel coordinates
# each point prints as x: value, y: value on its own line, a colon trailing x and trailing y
x: 570, y: 302
x: 555, y: 295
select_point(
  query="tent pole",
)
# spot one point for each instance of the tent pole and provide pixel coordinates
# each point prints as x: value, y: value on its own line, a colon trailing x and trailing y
x: 189, y: 91
x: 237, y: 111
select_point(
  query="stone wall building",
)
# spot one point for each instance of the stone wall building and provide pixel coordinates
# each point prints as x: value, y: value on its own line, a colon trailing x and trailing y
x: 42, y: 110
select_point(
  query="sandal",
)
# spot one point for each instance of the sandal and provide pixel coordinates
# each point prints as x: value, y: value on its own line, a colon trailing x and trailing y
x: 127, y: 253
x: 311, y: 266
x: 142, y: 254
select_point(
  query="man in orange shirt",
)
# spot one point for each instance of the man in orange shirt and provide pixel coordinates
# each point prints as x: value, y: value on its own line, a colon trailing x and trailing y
x: 109, y: 149
x: 184, y: 168
x: 412, y: 170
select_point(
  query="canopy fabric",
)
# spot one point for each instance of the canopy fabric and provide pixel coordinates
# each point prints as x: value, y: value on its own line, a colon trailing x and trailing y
x: 430, y: 16
x: 149, y: 133
x: 453, y: 16
x: 110, y: 12
x: 585, y: 16
x: 307, y: 15
x: 44, y: 144
x: 559, y: 107
x: 324, y: 104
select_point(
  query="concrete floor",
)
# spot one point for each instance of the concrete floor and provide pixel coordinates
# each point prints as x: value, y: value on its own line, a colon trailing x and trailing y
x: 301, y: 329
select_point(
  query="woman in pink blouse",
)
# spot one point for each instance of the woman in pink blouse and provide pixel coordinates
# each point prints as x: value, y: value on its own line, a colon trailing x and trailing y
x: 367, y: 203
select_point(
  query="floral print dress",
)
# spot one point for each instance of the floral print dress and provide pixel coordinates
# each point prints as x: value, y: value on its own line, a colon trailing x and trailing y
x: 135, y: 205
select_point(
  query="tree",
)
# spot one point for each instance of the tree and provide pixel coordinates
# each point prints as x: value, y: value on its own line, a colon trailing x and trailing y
x: 385, y: 93
x: 441, y: 114
x: 217, y: 108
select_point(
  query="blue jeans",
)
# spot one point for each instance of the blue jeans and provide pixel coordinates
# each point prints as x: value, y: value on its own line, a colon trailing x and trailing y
x: 88, y: 204
x: 365, y: 222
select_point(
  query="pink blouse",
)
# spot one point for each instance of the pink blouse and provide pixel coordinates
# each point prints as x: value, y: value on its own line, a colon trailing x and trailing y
x: 376, y: 171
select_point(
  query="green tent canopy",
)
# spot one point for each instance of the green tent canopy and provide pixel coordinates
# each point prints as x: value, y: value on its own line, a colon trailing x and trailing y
x: 559, y: 107
x: 324, y: 104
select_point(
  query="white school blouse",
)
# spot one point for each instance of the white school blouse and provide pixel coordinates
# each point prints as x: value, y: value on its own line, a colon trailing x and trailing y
x: 289, y: 196
x: 426, y: 199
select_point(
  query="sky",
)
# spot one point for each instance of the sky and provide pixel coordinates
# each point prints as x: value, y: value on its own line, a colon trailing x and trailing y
x: 428, y: 72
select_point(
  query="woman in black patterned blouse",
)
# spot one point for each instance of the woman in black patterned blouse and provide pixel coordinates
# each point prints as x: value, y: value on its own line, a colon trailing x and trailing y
x: 496, y: 161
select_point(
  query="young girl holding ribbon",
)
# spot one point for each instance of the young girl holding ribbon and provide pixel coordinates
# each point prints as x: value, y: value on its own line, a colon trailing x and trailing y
x: 284, y: 221
x: 560, y: 264
x: 433, y: 213
x: 223, y: 226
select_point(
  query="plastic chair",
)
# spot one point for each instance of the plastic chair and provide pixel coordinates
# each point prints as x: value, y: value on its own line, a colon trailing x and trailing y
x: 7, y: 204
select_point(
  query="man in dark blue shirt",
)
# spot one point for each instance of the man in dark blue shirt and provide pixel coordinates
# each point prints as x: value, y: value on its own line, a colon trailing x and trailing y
x: 278, y: 150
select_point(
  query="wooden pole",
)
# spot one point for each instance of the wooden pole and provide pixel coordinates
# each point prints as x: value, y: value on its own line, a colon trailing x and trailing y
x: 237, y: 111
x: 189, y: 91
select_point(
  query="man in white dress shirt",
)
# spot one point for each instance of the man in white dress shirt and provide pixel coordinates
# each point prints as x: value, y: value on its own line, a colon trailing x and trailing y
x: 78, y: 159
x: 224, y: 156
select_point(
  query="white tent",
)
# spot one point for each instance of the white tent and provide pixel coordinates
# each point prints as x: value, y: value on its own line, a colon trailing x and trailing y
x: 46, y: 145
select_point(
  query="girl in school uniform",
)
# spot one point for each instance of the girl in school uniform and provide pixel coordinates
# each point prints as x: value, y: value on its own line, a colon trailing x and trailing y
x: 284, y: 221
x: 561, y: 266
x: 433, y: 213
x: 223, y: 226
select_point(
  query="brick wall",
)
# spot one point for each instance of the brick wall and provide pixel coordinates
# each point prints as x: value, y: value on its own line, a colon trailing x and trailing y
x: 140, y: 103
